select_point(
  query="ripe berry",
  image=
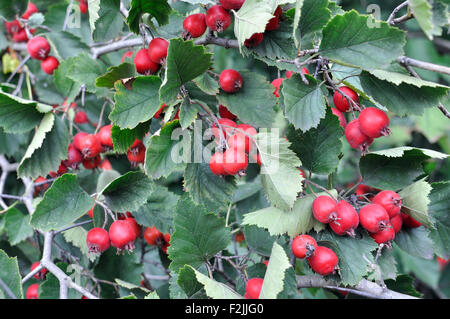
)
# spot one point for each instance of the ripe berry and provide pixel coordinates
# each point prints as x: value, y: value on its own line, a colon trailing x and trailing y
x: 390, y: 200
x: 78, y: 138
x: 134, y: 224
x: 38, y: 48
x: 324, y: 209
x: 409, y: 221
x: 83, y: 6
x: 232, y: 4
x: 21, y: 36
x: 303, y: 246
x: 166, y: 243
x: 104, y: 136
x: 324, y: 261
x: 41, y: 273
x: 240, y: 142
x: 384, y: 236
x: 277, y: 83
x: 143, y: 63
x: 40, y: 188
x: 342, y: 120
x: 194, y: 25
x: 250, y: 145
x: 97, y: 240
x: 157, y: 50
x: 274, y: 23
x: 374, y: 218
x: 235, y: 161
x: 341, y: 102
x: 158, y: 113
x: 136, y: 154
x: 32, y: 292
x: 153, y: 236
x: 365, y: 190
x: 31, y: 9
x: 225, y: 113
x: 239, y: 238
x: 216, y: 164
x: 227, y: 129
x: 230, y: 80
x: 253, y: 288
x: 62, y: 169
x: 91, y: 163
x: 217, y: 18
x: 347, y: 219
x: 49, y: 65
x: 254, y: 40
x: 396, y: 222
x: 356, y: 138
x: 374, y: 122
x: 90, y: 146
x: 122, y: 235
x: 91, y: 211
x: 127, y: 54
x: 105, y: 165
x: 81, y: 118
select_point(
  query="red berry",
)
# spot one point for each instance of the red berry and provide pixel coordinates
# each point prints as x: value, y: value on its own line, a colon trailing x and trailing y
x: 13, y: 26
x: 239, y: 238
x: 305, y: 71
x: 303, y: 246
x: 324, y: 209
x: 31, y: 9
x: 254, y: 40
x: 153, y: 236
x: 247, y: 129
x: 62, y: 169
x: 230, y: 80
x: 341, y: 102
x: 342, y: 120
x: 390, y: 200
x: 91, y: 211
x: 225, y: 113
x: 235, y: 161
x: 105, y: 165
x: 157, y: 50
x: 32, y: 292
x: 78, y: 138
x: 21, y: 36
x: 195, y: 25
x: 83, y: 6
x: 289, y: 74
x: 41, y: 273
x: 373, y: 218
x: 227, y: 129
x: 240, y: 142
x: 127, y: 54
x: 91, y: 163
x: 365, y: 190
x: 90, y: 146
x: 216, y: 164
x: 136, y: 154
x: 104, y: 136
x: 253, y: 288
x: 396, y: 222
x: 274, y: 23
x: 49, y: 65
x: 122, y: 235
x: 97, y: 240
x: 42, y: 187
x: 81, y: 118
x: 384, y: 236
x: 374, y: 122
x: 38, y: 48
x: 134, y: 224
x: 409, y: 221
x: 356, y: 138
x: 232, y: 4
x: 217, y: 18
x: 158, y: 113
x: 277, y: 83
x: 166, y: 243
x: 346, y: 221
x: 324, y: 261
x: 143, y: 63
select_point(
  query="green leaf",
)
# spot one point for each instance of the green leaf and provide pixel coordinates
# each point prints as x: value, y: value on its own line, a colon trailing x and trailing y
x: 94, y: 9
x: 298, y: 221
x: 77, y: 237
x: 10, y: 9
x: 280, y: 177
x: 63, y: 83
x: 297, y: 15
x: 314, y: 16
x: 10, y: 275
x: 105, y: 178
x: 66, y: 45
x: 115, y: 73
x: 198, y: 235
x: 421, y: 10
x: 207, y: 84
x: 214, y: 289
x: 18, y: 115
x: 137, y: 105
x: 63, y: 203
x: 17, y: 226
x: 86, y: 70
x: 348, y: 39
x: 185, y: 62
x: 187, y: 281
x: 49, y: 289
x: 41, y: 159
x: 415, y: 201
x: 109, y: 22
x: 253, y: 103
x: 319, y: 148
x: 159, y: 9
x: 438, y: 210
x: 127, y: 192
x: 188, y: 113
x: 123, y: 139
x: 276, y: 270
x: 415, y: 241
x: 259, y: 239
x: 404, y: 150
x: 161, y: 153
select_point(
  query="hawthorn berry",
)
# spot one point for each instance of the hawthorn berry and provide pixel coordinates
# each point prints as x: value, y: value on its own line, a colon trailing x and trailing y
x: 122, y: 235
x: 232, y: 4
x: 225, y: 113
x: 31, y: 9
x: 390, y: 200
x: 216, y: 164
x: 127, y: 54
x: 341, y: 117
x: 274, y: 23
x: 217, y: 18
x: 134, y: 224
x: 374, y: 122
x: 158, y: 113
x: 105, y: 165
x: 157, y: 50
x: 277, y: 84
x: 409, y: 221
x: 356, y: 138
x: 235, y: 161
x: 254, y: 40
x: 97, y: 240
x: 303, y: 246
x: 227, y: 128
x: 38, y: 48
x: 324, y: 261
x: 166, y: 243
x: 365, y: 190
x: 253, y: 288
x: 41, y: 273
x: 346, y: 221
x: 13, y: 26
x: 194, y: 25
x: 104, y: 136
x: 40, y: 185
x: 49, y: 64
x: 91, y: 211
x: 240, y: 142
x: 324, y: 209
x: 136, y: 154
x: 90, y: 146
x: 373, y: 218
x: 81, y: 117
x: 384, y: 236
x: 341, y: 102
x: 78, y: 138
x: 83, y: 6
x: 239, y: 238
x: 143, y: 63
x: 153, y: 236
x: 91, y: 163
x: 396, y: 222
x: 230, y: 81
x: 32, y: 292
x: 62, y: 169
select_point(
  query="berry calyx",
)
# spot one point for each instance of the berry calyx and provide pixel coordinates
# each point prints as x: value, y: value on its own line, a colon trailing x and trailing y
x: 122, y: 235
x: 216, y: 164
x: 104, y: 136
x: 384, y: 236
x: 390, y: 200
x: 97, y: 240
x: 232, y: 4
x: 49, y: 64
x: 303, y: 246
x: 341, y: 102
x: 217, y: 18
x: 409, y: 221
x: 230, y: 81
x: 41, y: 273
x: 356, y: 138
x: 143, y: 63
x: 90, y: 146
x: 254, y: 40
x: 38, y: 48
x: 374, y: 122
x: 373, y: 218
x: 324, y: 209
x: 235, y: 161
x: 194, y: 25
x: 32, y: 292
x: 324, y: 261
x: 157, y: 50
x: 91, y: 163
x: 225, y: 113
x: 342, y: 120
x: 136, y: 154
x: 253, y: 288
x: 153, y: 236
x: 346, y: 221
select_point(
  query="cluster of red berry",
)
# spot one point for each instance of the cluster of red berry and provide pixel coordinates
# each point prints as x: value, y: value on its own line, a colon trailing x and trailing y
x: 16, y: 30
x: 39, y: 48
x: 32, y: 291
x: 277, y: 82
x: 148, y: 61
x: 156, y: 238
